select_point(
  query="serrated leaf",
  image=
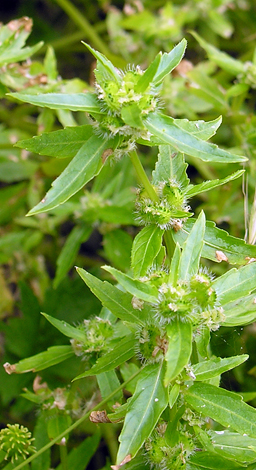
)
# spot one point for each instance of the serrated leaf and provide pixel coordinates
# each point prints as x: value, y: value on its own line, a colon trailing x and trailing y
x: 74, y: 101
x: 133, y: 286
x: 227, y: 408
x: 145, y: 249
x: 233, y: 447
x: 235, y: 283
x: 216, y: 366
x: 170, y: 166
x: 144, y: 410
x: 192, y: 191
x: 112, y: 359
x: 215, y: 239
x: 240, y: 312
x: 164, y: 128
x: 169, y: 61
x: 85, y: 165
x: 65, y: 328
x: 179, y: 349
x: 201, y: 129
x: 191, y: 250
x: 53, y: 355
x: 68, y: 254
x: 118, y: 302
x: 61, y: 144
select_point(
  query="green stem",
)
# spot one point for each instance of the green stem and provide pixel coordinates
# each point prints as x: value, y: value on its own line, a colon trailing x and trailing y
x: 76, y: 424
x: 82, y: 23
x: 142, y: 177
x: 63, y: 457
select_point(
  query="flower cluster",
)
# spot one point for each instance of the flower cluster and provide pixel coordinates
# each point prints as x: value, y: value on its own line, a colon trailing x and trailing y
x: 16, y: 441
x: 170, y: 207
x: 97, y: 334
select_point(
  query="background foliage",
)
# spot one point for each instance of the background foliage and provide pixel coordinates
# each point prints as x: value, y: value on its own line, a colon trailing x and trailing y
x: 38, y: 253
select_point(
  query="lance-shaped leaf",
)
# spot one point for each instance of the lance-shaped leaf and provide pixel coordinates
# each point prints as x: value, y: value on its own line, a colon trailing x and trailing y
x: 235, y: 283
x: 220, y: 58
x: 210, y: 461
x: 174, y: 268
x: 85, y: 165
x: 193, y: 190
x: 201, y: 129
x: 169, y: 61
x: 216, y: 366
x: 144, y: 410
x: 53, y: 355
x: 168, y: 132
x: 170, y: 166
x: 232, y: 446
x: 104, y: 66
x: 65, y: 328
x: 227, y: 408
x: 216, y: 240
x: 240, y: 312
x: 118, y: 302
x: 68, y: 254
x: 179, y: 349
x: 112, y: 359
x: 145, y: 249
x: 146, y: 79
x: 137, y: 288
x: 74, y: 101
x: 191, y: 250
x: 63, y: 143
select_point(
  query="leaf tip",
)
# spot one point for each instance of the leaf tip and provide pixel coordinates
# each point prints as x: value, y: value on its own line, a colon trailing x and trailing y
x: 9, y: 368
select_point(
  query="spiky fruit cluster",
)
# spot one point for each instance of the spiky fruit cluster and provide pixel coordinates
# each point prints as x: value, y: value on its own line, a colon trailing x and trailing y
x: 171, y: 205
x: 16, y: 441
x: 193, y: 301
x: 152, y: 343
x: 97, y: 332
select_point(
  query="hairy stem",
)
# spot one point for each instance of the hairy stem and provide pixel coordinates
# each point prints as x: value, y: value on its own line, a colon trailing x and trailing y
x: 77, y: 423
x: 142, y: 177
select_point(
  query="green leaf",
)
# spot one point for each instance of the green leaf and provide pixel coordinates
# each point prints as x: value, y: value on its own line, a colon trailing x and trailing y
x: 169, y: 61
x: 131, y: 115
x: 80, y: 456
x: 144, y: 410
x: 108, y: 382
x: 146, y: 79
x: 133, y: 286
x: 222, y: 59
x: 235, y: 283
x: 233, y: 447
x: 179, y: 349
x: 240, y: 312
x: 68, y: 254
x: 57, y: 424
x: 85, y: 165
x: 118, y: 302
x: 201, y: 129
x: 104, y: 66
x: 112, y: 359
x: 216, y: 366
x: 234, y: 249
x: 164, y: 127
x: 210, y: 461
x: 145, y: 249
x: 174, y: 268
x: 53, y: 355
x: 74, y: 101
x: 173, y: 395
x: 207, y: 185
x: 227, y: 408
x: 43, y: 461
x: 170, y: 166
x: 191, y: 250
x: 63, y: 143
x: 65, y: 328
x: 117, y: 248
